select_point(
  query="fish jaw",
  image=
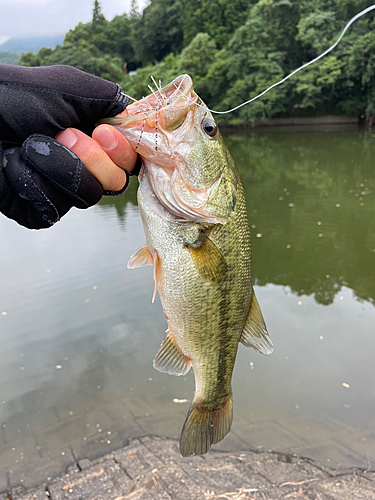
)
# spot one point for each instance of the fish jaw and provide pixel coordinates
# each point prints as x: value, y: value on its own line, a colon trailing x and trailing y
x: 191, y: 173
x: 150, y: 123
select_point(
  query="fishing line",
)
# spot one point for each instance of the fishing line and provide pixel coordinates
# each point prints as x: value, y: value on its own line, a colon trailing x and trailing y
x: 347, y: 26
x: 352, y: 20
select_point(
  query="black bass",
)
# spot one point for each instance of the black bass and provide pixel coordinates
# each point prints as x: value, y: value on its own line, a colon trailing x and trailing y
x: 193, y: 210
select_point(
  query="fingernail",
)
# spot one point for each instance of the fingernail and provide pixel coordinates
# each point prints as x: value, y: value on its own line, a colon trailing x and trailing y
x: 67, y: 138
x: 106, y: 138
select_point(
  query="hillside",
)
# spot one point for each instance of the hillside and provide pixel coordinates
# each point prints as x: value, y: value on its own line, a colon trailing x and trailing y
x: 31, y: 44
x: 234, y: 51
x: 9, y: 57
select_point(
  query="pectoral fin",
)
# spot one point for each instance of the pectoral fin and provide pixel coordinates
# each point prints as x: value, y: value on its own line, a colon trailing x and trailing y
x: 208, y: 259
x: 141, y: 257
x: 170, y: 359
x: 255, y: 333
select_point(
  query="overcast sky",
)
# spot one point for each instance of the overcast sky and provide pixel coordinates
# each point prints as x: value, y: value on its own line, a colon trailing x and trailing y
x: 52, y: 17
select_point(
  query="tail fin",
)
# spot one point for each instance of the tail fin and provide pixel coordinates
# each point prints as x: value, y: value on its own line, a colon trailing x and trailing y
x: 205, y: 427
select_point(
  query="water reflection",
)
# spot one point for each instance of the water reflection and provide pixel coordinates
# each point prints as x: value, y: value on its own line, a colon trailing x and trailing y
x: 80, y: 332
x: 310, y: 196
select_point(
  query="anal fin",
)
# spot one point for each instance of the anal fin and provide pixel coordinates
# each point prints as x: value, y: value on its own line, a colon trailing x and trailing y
x: 169, y: 358
x: 255, y: 333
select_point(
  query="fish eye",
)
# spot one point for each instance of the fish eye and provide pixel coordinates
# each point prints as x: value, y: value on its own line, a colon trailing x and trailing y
x: 209, y: 127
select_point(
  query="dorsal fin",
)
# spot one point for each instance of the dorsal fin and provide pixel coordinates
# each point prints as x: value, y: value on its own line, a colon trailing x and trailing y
x: 255, y: 333
x: 169, y: 358
x: 208, y: 259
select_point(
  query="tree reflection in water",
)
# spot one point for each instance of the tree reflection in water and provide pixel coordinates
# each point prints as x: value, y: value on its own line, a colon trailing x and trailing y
x: 310, y: 195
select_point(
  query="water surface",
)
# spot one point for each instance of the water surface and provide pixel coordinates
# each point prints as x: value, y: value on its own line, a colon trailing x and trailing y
x: 78, y: 331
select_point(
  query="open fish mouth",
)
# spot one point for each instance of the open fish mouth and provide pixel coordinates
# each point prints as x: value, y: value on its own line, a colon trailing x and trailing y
x: 164, y: 109
x: 184, y: 166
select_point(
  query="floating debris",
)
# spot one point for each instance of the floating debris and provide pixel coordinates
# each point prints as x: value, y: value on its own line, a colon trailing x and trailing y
x: 289, y: 246
x: 338, y: 205
x: 259, y: 235
x: 347, y: 386
x: 175, y: 400
x: 251, y: 365
x: 58, y: 367
x: 320, y: 235
x: 321, y: 337
x: 300, y: 302
x: 87, y: 300
x: 319, y: 223
x: 4, y: 313
x: 291, y: 205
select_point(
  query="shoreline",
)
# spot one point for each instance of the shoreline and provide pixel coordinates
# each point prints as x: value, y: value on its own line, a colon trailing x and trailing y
x: 296, y: 122
x: 151, y: 468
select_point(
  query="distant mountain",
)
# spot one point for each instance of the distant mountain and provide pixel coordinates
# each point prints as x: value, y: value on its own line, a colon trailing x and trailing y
x: 31, y: 44
x: 9, y: 57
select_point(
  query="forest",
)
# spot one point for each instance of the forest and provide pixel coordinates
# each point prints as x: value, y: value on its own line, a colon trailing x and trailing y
x: 234, y: 50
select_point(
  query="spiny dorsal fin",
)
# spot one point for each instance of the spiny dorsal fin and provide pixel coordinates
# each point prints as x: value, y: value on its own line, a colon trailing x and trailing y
x: 141, y: 257
x: 255, y: 333
x: 208, y: 259
x: 169, y: 358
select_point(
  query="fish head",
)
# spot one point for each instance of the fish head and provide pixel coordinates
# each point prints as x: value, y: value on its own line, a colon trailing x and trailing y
x: 185, y: 158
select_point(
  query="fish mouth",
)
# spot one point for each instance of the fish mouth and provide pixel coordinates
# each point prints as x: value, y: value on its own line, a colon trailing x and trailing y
x: 163, y: 110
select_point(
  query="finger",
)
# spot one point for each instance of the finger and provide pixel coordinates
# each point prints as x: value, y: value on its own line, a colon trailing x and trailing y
x: 95, y: 159
x: 116, y: 146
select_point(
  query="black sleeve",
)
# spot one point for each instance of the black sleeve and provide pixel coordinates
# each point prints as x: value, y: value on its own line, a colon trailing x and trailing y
x: 41, y: 179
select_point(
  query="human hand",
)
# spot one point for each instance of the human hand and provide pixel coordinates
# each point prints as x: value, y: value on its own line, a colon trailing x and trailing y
x: 107, y: 155
x: 41, y: 179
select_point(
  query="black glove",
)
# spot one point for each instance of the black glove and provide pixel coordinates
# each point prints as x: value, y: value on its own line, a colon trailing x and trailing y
x: 42, y: 179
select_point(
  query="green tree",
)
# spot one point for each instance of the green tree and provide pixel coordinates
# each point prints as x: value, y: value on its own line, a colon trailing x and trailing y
x: 259, y: 54
x: 9, y: 57
x: 97, y: 15
x: 219, y: 19
x: 196, y: 60
x: 159, y: 31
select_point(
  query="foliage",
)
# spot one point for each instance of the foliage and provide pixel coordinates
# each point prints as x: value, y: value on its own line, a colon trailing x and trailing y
x: 234, y: 51
x: 158, y: 32
x: 9, y: 57
x: 219, y: 19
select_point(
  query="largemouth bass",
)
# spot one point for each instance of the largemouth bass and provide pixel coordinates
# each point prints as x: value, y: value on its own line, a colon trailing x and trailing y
x: 198, y: 239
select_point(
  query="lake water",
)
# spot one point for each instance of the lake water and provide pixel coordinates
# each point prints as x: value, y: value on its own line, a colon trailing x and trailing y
x: 78, y: 331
